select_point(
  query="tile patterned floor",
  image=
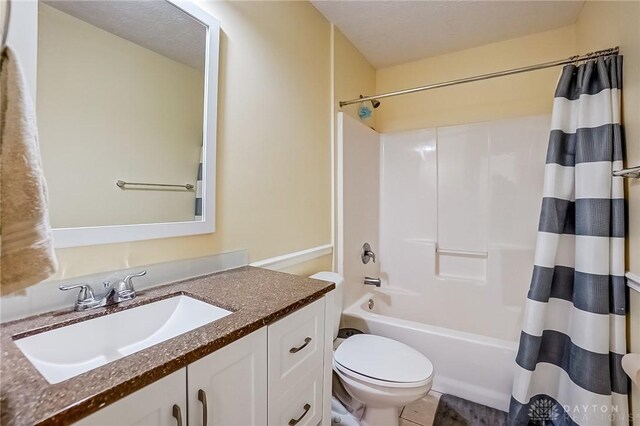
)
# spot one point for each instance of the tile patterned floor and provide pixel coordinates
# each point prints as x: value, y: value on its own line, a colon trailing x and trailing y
x: 421, y: 412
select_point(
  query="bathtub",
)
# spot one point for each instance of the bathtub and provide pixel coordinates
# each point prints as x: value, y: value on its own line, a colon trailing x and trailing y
x: 471, y: 366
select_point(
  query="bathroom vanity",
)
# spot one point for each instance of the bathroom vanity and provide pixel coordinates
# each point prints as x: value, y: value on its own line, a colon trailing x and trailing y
x: 268, y: 362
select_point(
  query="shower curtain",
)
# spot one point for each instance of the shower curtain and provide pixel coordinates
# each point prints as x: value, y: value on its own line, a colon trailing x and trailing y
x: 573, y: 338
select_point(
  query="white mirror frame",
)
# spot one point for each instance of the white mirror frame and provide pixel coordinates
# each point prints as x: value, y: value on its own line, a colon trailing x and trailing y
x: 93, y: 235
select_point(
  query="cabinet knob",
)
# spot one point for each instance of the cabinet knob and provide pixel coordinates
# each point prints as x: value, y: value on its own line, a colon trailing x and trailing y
x: 294, y: 422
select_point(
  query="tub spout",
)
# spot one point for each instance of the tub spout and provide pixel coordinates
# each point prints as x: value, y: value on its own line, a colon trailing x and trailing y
x: 372, y: 281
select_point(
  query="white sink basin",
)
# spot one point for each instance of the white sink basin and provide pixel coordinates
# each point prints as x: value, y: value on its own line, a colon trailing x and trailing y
x: 65, y: 352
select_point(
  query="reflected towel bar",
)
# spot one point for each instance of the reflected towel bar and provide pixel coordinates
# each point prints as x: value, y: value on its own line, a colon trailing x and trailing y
x: 121, y: 184
x: 5, y: 26
x: 632, y: 173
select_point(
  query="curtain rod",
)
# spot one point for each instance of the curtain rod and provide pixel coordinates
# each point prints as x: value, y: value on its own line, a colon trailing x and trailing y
x: 572, y: 59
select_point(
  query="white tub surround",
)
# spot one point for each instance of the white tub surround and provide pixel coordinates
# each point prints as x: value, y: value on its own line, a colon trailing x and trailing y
x: 472, y: 193
x: 458, y: 214
x: 358, y: 202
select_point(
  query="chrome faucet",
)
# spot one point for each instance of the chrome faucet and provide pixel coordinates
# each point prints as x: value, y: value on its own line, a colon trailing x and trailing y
x: 372, y: 281
x: 119, y: 290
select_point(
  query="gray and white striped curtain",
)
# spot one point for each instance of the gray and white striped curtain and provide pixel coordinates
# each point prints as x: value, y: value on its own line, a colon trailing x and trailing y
x: 569, y: 360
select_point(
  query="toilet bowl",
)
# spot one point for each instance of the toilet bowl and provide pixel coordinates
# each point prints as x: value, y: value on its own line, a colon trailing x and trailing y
x: 382, y: 373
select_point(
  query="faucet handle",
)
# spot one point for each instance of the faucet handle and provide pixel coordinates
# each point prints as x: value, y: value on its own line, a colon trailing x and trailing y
x: 367, y: 254
x: 84, y: 296
x: 128, y: 285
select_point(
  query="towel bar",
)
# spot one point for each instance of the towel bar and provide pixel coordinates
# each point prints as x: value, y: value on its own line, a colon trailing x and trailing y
x: 631, y: 173
x: 5, y: 26
x: 121, y: 184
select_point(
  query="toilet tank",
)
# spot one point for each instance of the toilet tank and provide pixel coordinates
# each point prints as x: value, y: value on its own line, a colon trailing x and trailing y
x: 337, y: 309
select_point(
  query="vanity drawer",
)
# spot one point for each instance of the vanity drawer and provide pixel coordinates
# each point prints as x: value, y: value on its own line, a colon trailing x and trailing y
x: 300, y: 405
x: 295, y: 346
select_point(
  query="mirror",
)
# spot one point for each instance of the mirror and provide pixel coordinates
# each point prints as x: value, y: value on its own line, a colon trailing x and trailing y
x: 126, y: 109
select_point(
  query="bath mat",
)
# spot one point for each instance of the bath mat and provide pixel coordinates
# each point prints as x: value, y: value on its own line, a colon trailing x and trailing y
x: 454, y: 411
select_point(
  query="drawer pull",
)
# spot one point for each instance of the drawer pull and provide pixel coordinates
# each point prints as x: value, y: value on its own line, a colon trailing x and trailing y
x: 202, y: 397
x: 177, y: 413
x: 307, y: 407
x: 299, y: 348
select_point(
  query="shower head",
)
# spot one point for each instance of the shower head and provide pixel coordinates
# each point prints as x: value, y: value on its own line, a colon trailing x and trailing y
x: 374, y: 102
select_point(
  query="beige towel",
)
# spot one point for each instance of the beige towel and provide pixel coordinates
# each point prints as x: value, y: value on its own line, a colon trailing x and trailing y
x: 26, y: 244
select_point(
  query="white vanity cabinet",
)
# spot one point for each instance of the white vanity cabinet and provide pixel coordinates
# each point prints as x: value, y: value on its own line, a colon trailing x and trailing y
x: 229, y: 387
x: 151, y: 405
x: 296, y: 360
x: 277, y: 375
x: 226, y: 388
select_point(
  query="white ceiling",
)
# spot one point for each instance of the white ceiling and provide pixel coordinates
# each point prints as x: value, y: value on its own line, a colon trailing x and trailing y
x: 154, y: 24
x: 395, y: 32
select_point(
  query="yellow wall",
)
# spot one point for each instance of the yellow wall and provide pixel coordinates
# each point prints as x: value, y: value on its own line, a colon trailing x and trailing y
x: 512, y: 96
x: 353, y: 76
x: 273, y: 170
x: 124, y: 134
x: 601, y: 25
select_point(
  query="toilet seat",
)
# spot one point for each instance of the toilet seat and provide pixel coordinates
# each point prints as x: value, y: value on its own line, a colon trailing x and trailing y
x: 383, y: 362
x: 376, y: 382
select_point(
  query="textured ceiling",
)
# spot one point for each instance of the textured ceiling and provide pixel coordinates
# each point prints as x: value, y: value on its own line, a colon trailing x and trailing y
x: 394, y: 32
x: 154, y: 24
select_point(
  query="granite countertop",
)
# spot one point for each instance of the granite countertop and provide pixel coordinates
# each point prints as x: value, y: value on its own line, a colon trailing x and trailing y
x: 256, y: 297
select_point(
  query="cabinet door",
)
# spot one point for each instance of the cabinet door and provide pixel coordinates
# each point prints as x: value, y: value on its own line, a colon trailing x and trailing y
x: 229, y: 387
x: 152, y: 405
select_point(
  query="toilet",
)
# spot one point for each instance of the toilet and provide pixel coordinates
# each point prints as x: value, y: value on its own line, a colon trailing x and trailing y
x: 382, y: 373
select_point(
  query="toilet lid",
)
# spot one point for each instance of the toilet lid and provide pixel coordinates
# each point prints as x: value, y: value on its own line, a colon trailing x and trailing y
x: 381, y: 358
